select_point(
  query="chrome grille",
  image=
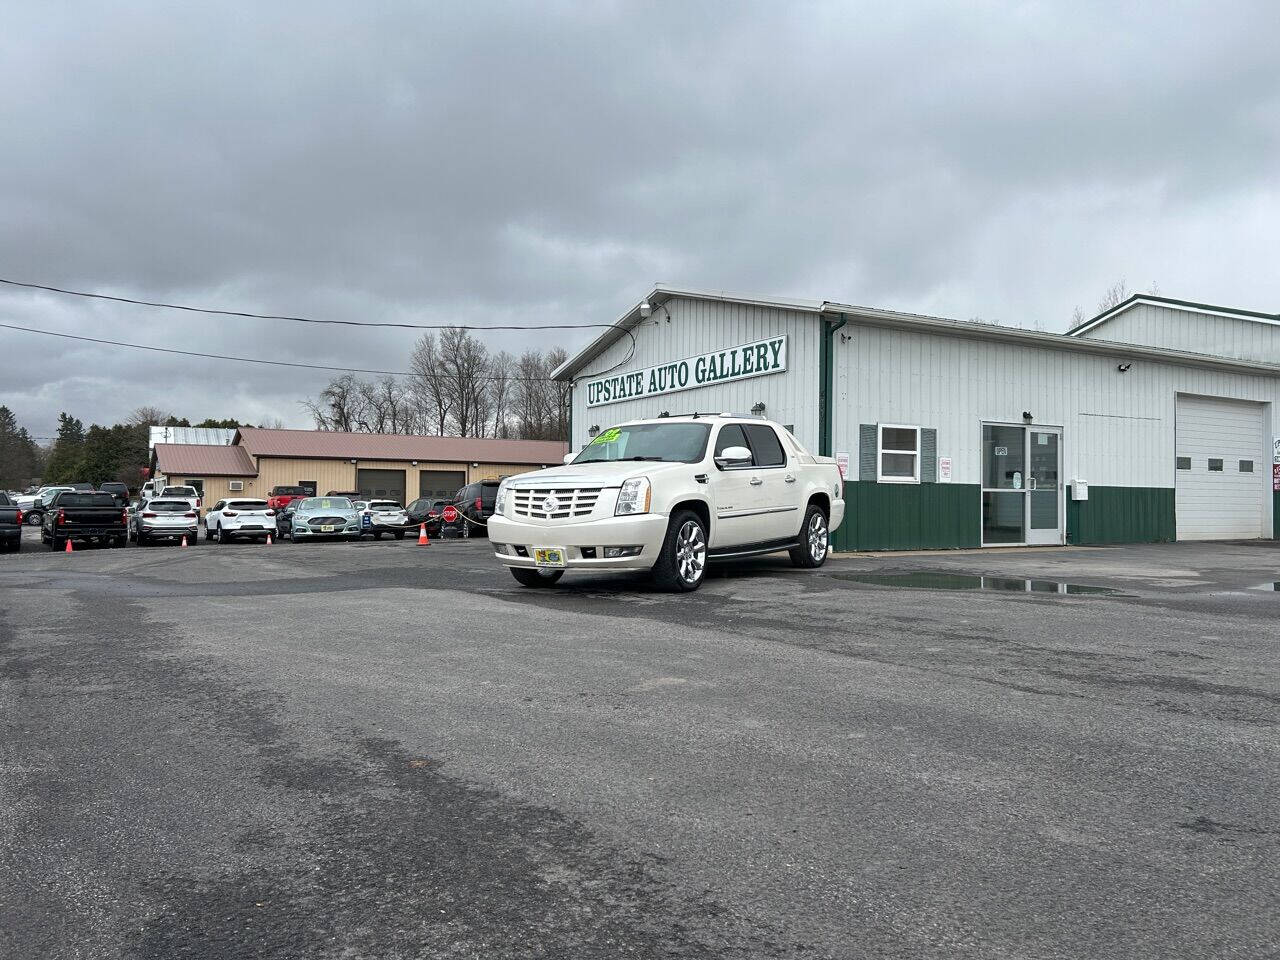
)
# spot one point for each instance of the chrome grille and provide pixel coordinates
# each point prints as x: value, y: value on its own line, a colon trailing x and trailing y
x: 570, y: 502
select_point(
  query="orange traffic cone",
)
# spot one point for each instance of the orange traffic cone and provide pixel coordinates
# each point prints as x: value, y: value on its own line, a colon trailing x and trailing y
x: 184, y: 539
x: 423, y: 541
x: 268, y: 539
x: 69, y: 549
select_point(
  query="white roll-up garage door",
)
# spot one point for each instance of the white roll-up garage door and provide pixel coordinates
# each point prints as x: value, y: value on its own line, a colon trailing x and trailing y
x: 1221, y: 476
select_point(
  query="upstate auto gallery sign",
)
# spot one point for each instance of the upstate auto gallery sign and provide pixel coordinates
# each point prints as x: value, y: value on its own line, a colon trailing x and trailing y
x: 719, y: 366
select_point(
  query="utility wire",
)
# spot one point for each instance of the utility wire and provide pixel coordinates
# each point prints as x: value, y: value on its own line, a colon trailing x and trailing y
x: 273, y: 363
x: 343, y: 323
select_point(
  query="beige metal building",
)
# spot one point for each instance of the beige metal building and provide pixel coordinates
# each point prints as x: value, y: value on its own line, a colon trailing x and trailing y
x: 397, y: 467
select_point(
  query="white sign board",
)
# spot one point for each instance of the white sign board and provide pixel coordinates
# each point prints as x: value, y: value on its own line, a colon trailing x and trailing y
x: 944, y: 469
x: 719, y: 366
x: 842, y: 462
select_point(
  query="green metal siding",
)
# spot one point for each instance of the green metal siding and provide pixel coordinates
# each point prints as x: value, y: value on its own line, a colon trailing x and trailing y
x: 910, y: 516
x: 1122, y: 515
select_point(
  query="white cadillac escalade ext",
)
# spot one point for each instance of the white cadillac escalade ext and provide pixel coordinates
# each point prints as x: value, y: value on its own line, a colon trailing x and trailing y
x: 668, y: 495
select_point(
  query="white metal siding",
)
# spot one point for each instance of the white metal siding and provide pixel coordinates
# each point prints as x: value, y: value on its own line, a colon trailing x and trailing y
x: 1118, y: 428
x: 699, y: 326
x: 1191, y: 332
x: 1227, y: 504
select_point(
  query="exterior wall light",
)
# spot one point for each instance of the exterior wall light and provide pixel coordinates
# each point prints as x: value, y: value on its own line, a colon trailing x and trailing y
x: 758, y: 408
x: 593, y: 431
x: 1124, y: 367
x: 1026, y: 415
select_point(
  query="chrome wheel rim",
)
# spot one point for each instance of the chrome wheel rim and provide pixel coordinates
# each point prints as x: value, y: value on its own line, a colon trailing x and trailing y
x: 691, y: 552
x: 818, y: 537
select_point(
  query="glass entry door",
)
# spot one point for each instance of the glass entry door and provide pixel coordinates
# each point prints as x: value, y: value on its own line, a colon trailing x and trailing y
x: 1021, y: 485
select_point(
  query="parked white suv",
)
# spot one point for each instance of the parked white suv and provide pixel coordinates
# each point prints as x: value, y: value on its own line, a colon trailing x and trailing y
x: 239, y: 518
x: 668, y: 495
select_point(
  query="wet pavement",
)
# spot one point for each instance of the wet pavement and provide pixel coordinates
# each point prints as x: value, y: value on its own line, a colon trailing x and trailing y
x: 393, y: 751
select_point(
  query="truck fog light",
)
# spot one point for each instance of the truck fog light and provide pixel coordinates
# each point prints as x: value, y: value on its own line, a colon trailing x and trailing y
x: 613, y: 553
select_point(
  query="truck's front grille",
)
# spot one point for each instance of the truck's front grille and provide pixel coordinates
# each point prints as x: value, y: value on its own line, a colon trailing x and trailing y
x: 547, y: 503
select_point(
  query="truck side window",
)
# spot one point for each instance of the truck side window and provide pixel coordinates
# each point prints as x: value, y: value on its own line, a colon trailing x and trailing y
x: 731, y: 435
x: 765, y: 446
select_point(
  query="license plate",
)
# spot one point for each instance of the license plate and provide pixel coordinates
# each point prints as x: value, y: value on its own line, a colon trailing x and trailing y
x: 327, y: 528
x: 548, y: 556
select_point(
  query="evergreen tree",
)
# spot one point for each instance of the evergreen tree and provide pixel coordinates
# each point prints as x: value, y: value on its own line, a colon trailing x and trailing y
x: 64, y: 460
x: 19, y: 455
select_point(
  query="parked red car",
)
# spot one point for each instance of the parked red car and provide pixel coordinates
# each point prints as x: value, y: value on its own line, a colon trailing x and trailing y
x: 282, y: 496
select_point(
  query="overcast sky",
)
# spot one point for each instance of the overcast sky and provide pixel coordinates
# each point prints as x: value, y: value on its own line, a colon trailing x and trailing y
x: 548, y: 162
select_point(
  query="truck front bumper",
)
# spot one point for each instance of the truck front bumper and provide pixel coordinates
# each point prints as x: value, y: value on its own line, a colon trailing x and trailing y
x: 584, y: 544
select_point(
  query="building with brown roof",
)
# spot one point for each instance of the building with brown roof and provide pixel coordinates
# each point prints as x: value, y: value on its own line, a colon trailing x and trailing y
x: 398, y: 467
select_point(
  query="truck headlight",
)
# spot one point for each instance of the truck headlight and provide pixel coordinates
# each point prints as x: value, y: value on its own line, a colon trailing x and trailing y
x: 633, y: 497
x: 500, y: 500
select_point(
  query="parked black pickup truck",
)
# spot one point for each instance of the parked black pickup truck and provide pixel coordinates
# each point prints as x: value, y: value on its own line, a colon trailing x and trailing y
x: 10, y: 524
x: 73, y: 515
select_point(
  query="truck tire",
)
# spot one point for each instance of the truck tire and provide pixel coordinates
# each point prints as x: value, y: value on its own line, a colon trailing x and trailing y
x: 536, y: 578
x: 815, y: 540
x: 682, y: 561
x: 56, y: 545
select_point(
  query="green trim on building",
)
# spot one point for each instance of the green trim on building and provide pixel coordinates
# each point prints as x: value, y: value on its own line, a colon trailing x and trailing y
x: 910, y: 516
x: 1122, y: 515
x: 826, y: 383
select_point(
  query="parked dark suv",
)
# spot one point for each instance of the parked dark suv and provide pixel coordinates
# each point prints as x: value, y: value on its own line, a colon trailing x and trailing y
x: 475, y: 507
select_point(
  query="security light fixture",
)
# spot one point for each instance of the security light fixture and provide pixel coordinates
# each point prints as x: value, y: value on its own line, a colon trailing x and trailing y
x: 354, y: 460
x: 645, y: 309
x: 413, y: 463
x: 593, y: 431
x: 758, y: 408
x: 1026, y: 415
x: 1124, y: 367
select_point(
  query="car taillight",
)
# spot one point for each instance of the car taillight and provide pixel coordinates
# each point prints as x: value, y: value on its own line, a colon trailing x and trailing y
x: 19, y: 518
x: 271, y: 513
x: 199, y: 501
x: 191, y: 515
x: 479, y: 503
x: 124, y: 517
x: 152, y: 516
x: 62, y: 515
x: 228, y: 513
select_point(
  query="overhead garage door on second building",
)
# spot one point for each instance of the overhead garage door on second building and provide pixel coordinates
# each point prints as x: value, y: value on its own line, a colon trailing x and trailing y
x: 1222, y: 479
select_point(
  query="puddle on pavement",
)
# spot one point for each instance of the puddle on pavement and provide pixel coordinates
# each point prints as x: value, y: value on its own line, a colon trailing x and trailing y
x: 1269, y: 586
x: 926, y: 580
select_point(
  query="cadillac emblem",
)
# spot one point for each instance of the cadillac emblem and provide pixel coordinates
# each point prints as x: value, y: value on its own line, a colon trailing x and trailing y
x: 550, y: 505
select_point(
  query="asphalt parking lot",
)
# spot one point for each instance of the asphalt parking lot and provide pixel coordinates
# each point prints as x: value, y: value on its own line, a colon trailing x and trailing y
x: 383, y: 750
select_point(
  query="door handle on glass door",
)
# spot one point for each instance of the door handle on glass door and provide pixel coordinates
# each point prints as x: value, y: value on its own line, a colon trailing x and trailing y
x: 1032, y: 482
x: 756, y: 481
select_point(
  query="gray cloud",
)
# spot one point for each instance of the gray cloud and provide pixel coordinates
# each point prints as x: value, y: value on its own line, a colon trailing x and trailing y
x: 494, y: 163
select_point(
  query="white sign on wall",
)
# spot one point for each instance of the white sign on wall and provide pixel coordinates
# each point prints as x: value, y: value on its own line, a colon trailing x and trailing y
x: 944, y: 469
x: 719, y: 366
x: 842, y: 464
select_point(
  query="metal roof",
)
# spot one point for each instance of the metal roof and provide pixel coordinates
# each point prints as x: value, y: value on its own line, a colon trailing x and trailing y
x: 203, y: 460
x: 1188, y: 305
x: 332, y: 444
x: 204, y: 435
x: 569, y: 370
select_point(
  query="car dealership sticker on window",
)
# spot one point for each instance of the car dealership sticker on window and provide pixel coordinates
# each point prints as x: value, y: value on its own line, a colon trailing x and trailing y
x: 719, y: 366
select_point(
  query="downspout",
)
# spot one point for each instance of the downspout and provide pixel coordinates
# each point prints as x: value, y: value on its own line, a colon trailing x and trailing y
x: 826, y: 389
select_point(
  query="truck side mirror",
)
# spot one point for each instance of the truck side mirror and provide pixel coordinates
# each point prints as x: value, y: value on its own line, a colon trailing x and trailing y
x: 733, y: 457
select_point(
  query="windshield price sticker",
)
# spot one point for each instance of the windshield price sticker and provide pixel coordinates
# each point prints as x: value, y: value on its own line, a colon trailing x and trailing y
x: 719, y: 366
x: 609, y: 436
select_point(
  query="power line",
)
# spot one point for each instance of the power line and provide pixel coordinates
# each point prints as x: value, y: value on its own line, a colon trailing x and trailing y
x: 273, y: 363
x: 344, y: 323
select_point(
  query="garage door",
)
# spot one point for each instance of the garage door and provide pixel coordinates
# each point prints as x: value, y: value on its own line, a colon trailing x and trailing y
x: 381, y: 484
x: 440, y: 484
x: 1221, y: 474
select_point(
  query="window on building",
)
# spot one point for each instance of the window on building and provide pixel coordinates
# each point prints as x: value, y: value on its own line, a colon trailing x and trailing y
x: 1184, y: 463
x: 898, y: 454
x: 1215, y: 465
x: 1246, y: 466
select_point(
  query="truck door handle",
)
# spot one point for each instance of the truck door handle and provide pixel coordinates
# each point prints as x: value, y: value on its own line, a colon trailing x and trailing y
x: 789, y: 478
x: 756, y: 481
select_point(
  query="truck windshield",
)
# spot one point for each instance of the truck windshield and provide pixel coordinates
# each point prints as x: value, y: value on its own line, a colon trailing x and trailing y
x: 673, y: 442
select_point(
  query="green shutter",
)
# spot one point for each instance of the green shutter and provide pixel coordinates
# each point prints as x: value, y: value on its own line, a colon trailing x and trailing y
x: 867, y: 452
x: 928, y: 455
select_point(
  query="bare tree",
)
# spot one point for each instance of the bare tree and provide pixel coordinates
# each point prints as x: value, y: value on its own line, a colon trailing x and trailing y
x: 561, y: 394
x: 464, y: 363
x: 501, y: 369
x: 1116, y: 294
x: 340, y: 405
x: 429, y: 389
x: 531, y: 409
x: 387, y: 406
x: 149, y: 416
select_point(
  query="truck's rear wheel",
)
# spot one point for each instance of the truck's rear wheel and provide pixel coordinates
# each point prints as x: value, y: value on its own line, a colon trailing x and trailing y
x: 682, y: 562
x: 536, y: 578
x: 815, y: 540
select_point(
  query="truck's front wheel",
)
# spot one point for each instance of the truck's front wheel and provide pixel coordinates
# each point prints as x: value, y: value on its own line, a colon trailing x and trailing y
x: 536, y: 578
x: 683, y: 561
